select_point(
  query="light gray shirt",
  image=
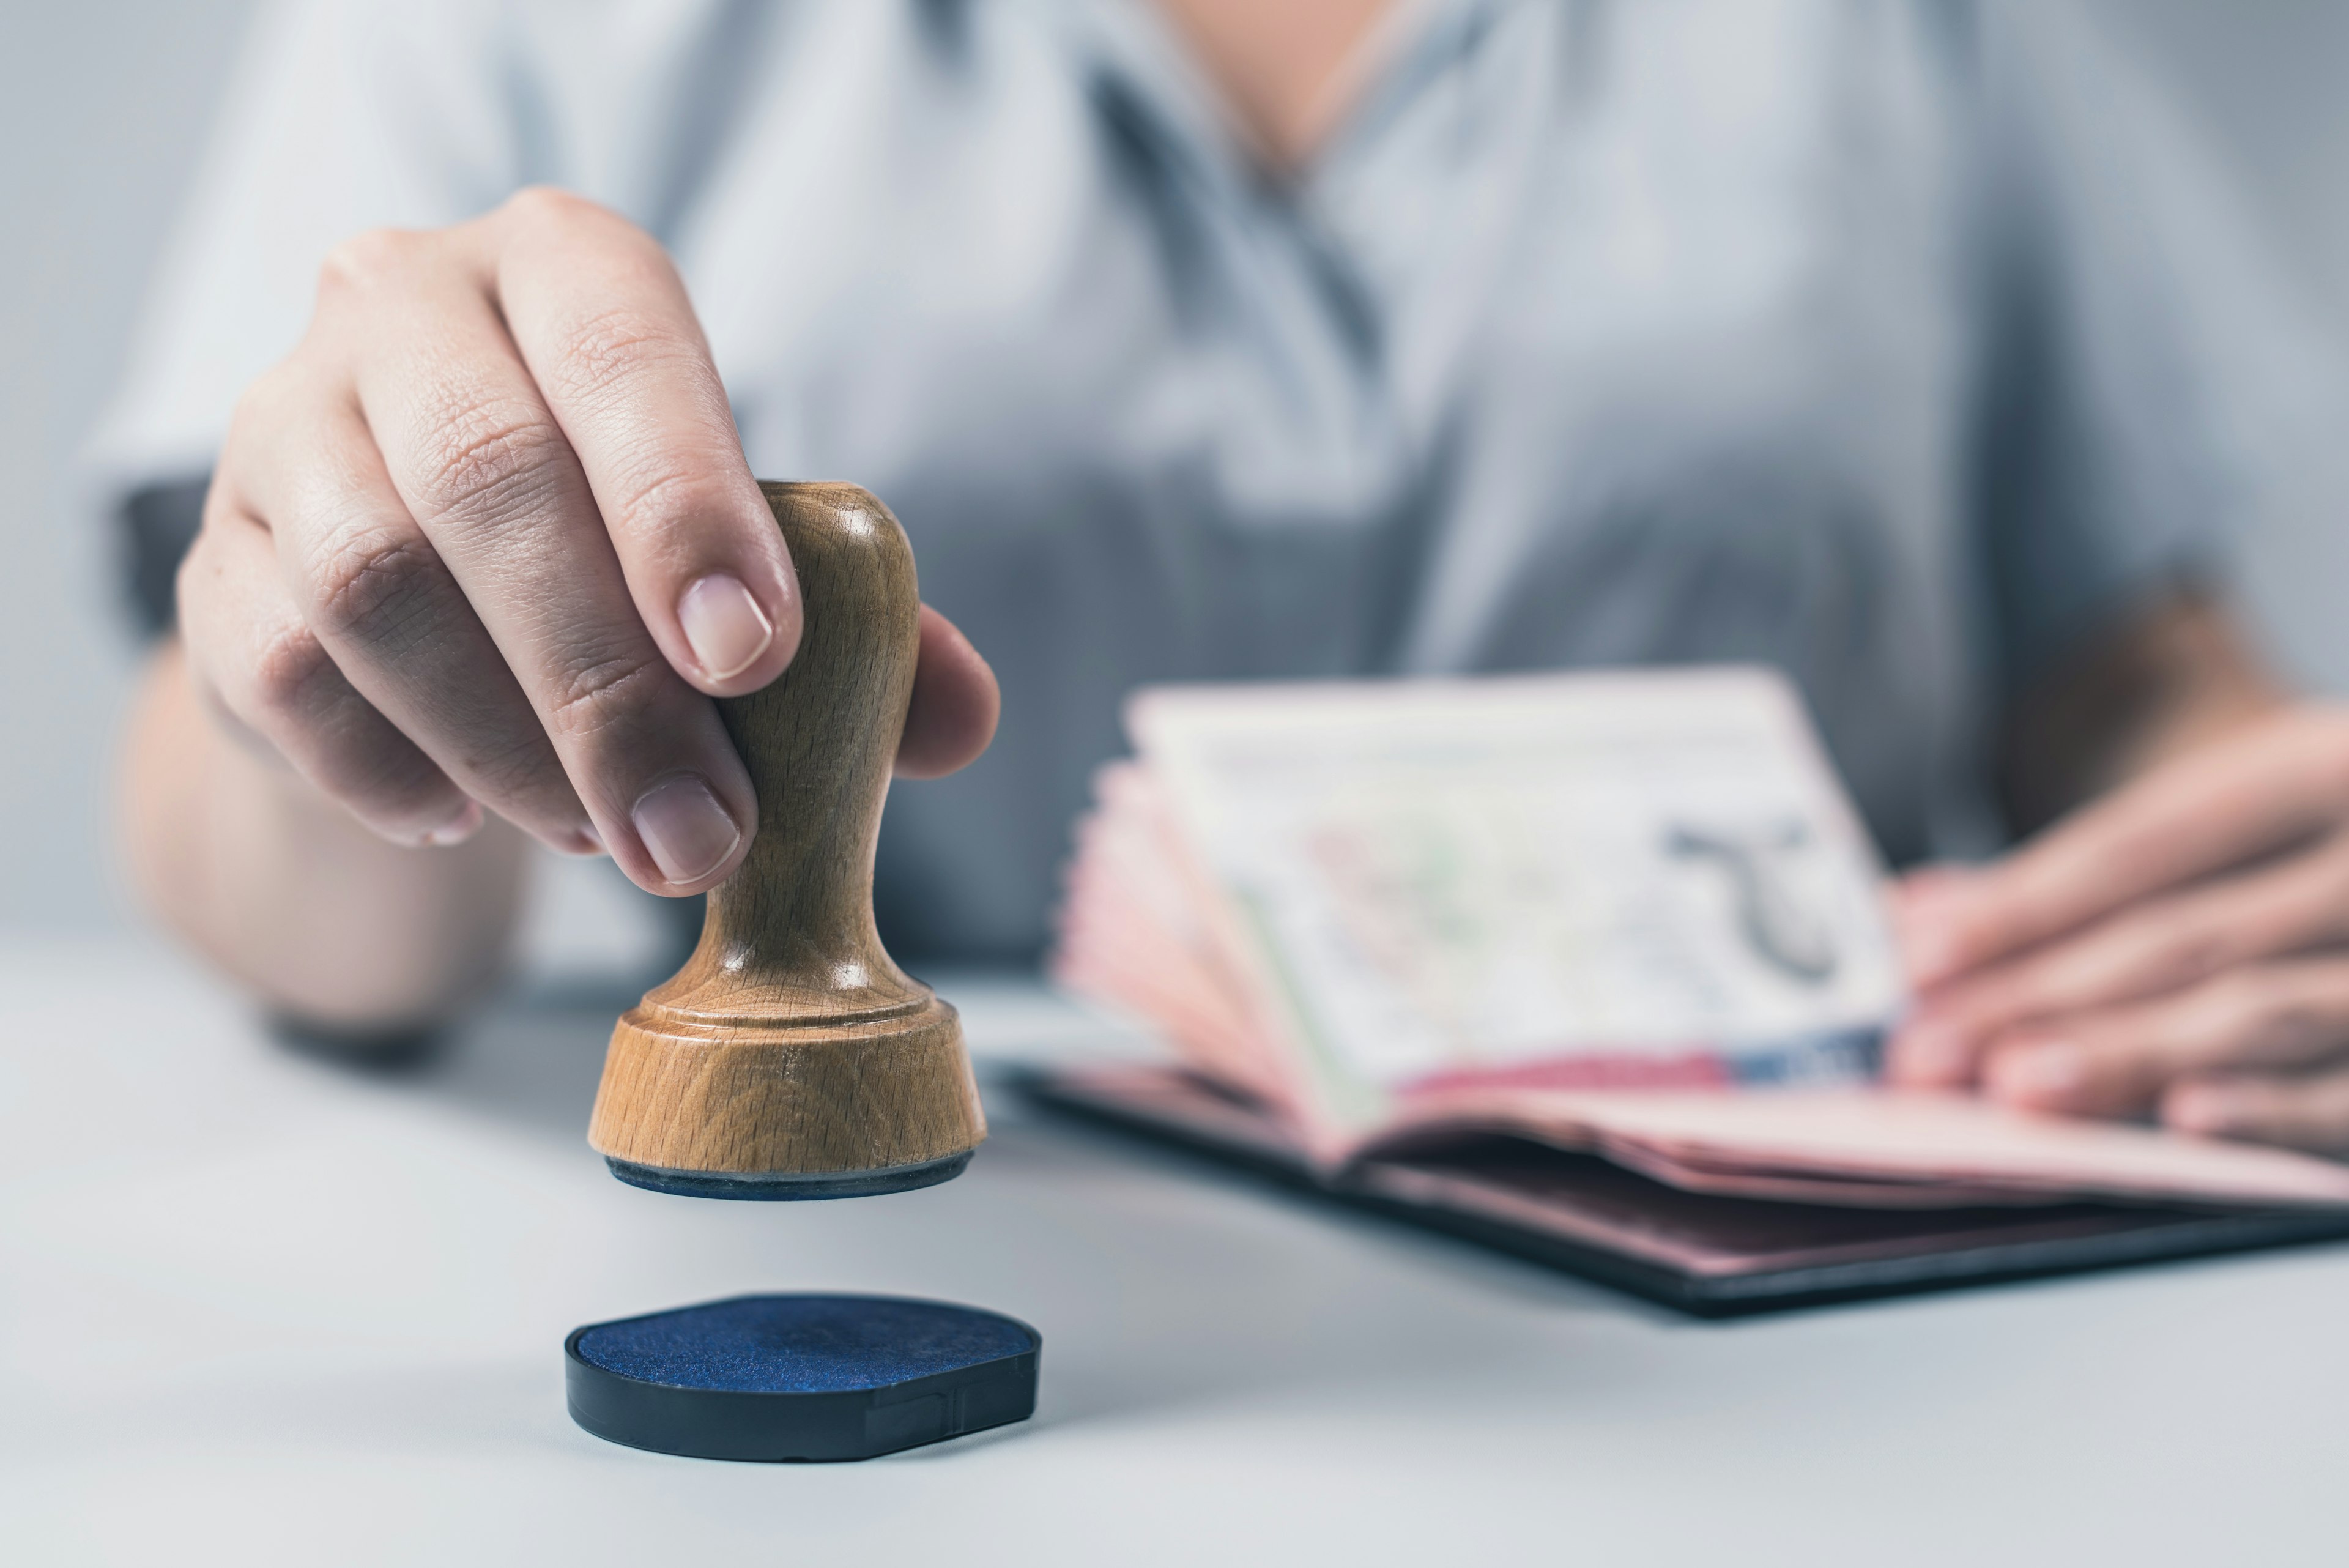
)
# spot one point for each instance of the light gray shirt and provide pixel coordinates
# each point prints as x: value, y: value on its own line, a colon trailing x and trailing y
x: 1900, y: 346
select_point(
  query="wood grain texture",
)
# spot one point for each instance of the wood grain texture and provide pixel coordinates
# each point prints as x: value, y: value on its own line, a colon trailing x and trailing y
x: 791, y: 1043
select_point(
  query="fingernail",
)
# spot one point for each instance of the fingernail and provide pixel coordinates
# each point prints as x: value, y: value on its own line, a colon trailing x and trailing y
x: 2038, y: 1072
x: 724, y: 625
x: 2200, y: 1108
x: 457, y: 829
x: 1926, y: 1052
x: 688, y: 833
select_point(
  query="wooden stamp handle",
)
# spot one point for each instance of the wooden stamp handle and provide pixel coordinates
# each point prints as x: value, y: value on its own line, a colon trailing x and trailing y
x: 790, y: 1052
x: 792, y: 928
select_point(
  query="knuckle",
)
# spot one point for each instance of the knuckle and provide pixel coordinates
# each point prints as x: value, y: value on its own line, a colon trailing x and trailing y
x: 2296, y: 1027
x: 263, y: 402
x: 289, y: 669
x: 603, y: 350
x: 549, y: 205
x: 668, y: 504
x: 367, y: 261
x: 379, y: 590
x: 601, y: 692
x: 520, y: 770
x: 491, y: 460
x: 2189, y: 950
x: 2302, y: 1009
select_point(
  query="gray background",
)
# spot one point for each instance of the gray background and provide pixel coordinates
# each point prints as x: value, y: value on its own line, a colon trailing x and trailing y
x: 103, y: 105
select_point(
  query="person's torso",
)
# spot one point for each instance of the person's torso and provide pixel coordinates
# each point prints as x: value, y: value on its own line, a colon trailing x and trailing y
x: 1597, y: 335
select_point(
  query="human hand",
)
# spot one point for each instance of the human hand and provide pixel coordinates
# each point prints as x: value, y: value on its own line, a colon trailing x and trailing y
x: 487, y: 539
x: 2181, y: 947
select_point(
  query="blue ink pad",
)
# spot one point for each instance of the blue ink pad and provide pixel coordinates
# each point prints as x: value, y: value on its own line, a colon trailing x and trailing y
x: 800, y: 1376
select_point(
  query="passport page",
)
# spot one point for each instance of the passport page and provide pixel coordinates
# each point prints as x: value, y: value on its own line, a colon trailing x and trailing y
x: 1633, y: 879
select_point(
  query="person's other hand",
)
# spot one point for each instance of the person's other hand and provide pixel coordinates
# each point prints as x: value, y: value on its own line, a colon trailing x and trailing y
x: 2181, y: 947
x: 487, y: 539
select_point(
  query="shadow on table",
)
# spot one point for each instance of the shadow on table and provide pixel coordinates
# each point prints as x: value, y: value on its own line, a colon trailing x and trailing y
x: 531, y: 1057
x: 1158, y: 1281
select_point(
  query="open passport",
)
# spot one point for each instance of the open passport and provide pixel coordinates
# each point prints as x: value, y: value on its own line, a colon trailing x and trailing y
x: 1595, y: 967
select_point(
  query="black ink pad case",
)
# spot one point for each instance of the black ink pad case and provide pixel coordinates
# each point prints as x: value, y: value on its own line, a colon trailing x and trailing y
x: 800, y: 1376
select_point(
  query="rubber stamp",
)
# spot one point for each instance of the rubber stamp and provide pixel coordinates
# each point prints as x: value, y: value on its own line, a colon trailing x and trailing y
x: 791, y: 1058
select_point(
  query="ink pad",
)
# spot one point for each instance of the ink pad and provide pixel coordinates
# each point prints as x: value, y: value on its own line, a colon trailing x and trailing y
x: 800, y: 1376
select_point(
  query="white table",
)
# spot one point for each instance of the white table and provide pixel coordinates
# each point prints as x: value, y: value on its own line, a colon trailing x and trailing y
x: 257, y: 1310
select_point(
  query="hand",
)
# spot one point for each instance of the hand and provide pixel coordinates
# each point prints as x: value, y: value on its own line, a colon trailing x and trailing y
x: 2181, y: 947
x: 487, y: 539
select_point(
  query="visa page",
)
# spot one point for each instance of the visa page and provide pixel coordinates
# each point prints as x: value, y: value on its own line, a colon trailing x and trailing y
x: 1639, y: 879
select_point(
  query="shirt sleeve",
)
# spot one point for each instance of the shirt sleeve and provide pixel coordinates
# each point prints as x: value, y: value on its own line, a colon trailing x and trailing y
x: 2151, y: 388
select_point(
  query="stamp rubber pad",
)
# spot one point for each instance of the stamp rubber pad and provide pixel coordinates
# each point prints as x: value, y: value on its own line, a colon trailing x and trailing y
x: 800, y: 1376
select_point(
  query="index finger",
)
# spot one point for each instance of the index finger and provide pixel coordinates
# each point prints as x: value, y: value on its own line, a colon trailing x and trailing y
x: 2274, y: 784
x: 605, y: 329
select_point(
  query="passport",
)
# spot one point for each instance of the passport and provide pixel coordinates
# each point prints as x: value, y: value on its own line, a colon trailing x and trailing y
x: 1629, y: 917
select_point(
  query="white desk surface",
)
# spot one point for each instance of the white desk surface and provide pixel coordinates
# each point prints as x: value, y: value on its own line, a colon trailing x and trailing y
x: 257, y: 1310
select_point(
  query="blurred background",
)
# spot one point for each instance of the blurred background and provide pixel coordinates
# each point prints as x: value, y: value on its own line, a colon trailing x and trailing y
x: 104, y: 106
